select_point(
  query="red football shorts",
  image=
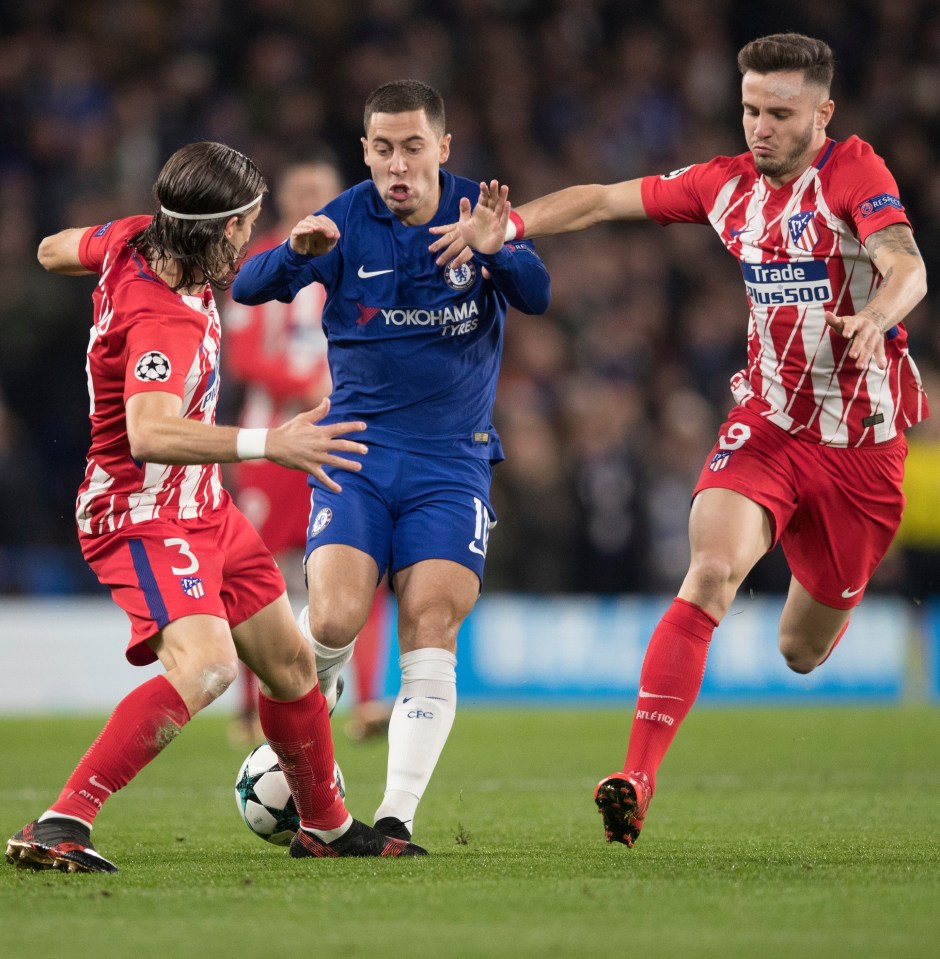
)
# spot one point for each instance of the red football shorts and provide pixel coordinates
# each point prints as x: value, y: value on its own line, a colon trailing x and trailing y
x: 277, y: 501
x: 835, y: 510
x: 163, y: 570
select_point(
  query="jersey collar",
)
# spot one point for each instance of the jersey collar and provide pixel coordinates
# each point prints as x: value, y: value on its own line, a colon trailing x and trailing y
x: 824, y: 154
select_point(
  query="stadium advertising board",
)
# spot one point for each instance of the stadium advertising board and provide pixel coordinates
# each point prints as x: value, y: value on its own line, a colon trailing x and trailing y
x: 591, y: 648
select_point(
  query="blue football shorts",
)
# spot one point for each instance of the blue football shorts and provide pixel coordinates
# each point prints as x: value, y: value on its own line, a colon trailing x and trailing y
x: 406, y: 507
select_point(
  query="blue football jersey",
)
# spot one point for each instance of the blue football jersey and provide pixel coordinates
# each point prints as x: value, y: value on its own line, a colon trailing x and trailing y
x: 414, y: 349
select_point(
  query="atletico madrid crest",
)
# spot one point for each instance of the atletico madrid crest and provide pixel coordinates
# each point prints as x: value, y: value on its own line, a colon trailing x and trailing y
x: 192, y: 587
x: 803, y: 230
x: 720, y: 460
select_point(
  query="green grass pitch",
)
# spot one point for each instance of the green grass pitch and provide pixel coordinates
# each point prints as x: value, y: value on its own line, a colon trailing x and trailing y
x: 775, y: 833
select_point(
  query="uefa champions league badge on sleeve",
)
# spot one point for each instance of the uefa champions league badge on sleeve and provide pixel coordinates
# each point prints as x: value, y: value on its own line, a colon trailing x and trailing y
x: 153, y: 367
x: 674, y: 173
x: 460, y: 277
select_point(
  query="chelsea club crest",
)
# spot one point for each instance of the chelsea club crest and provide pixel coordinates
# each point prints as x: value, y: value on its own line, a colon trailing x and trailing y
x: 460, y: 277
x: 321, y: 521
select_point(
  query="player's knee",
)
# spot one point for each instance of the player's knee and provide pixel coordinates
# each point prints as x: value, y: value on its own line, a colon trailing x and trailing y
x: 714, y: 580
x: 798, y: 656
x: 216, y: 674
x: 800, y: 664
x: 336, y: 623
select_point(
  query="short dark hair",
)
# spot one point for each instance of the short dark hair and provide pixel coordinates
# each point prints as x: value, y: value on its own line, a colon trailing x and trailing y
x: 202, y: 177
x: 789, y: 51
x: 402, y: 96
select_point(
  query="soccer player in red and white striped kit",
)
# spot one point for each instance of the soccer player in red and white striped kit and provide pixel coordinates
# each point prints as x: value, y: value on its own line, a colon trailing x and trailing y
x: 812, y: 454
x: 198, y: 585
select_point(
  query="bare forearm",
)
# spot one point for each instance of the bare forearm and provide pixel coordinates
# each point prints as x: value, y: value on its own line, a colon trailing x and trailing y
x: 904, y: 277
x: 59, y: 253
x: 182, y: 442
x: 566, y: 211
x: 579, y: 207
x: 158, y: 434
x: 903, y: 286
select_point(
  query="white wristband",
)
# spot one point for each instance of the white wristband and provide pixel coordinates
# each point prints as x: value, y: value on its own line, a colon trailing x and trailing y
x: 249, y: 444
x: 510, y: 232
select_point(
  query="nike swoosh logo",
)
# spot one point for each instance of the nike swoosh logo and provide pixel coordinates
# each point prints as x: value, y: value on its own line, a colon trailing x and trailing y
x: 736, y: 233
x: 365, y: 274
x: 475, y: 549
x: 99, y: 785
x: 849, y: 593
x: 645, y: 695
x: 408, y: 699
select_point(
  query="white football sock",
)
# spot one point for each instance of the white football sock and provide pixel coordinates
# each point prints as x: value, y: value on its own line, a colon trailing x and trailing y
x: 421, y: 722
x: 330, y: 661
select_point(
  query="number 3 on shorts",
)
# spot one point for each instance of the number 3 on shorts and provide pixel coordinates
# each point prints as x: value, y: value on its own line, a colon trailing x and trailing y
x: 185, y: 551
x: 736, y: 436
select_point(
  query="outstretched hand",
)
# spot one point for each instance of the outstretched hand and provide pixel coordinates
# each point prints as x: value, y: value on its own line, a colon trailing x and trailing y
x: 314, y: 235
x: 482, y: 229
x: 865, y: 336
x: 302, y: 445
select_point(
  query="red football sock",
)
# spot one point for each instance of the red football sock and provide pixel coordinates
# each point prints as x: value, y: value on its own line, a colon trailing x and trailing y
x: 143, y: 722
x: 669, y: 683
x: 299, y: 733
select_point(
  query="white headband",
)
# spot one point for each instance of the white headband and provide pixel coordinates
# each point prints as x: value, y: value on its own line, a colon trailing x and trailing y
x: 211, y: 216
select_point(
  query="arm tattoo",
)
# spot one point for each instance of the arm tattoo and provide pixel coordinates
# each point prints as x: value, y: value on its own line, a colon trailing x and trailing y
x: 896, y: 238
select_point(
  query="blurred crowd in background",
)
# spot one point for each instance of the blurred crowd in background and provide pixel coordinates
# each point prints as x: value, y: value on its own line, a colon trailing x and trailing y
x: 609, y: 403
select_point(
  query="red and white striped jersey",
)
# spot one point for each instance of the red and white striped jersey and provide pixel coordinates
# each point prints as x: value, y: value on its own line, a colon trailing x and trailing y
x: 145, y: 338
x: 801, y: 252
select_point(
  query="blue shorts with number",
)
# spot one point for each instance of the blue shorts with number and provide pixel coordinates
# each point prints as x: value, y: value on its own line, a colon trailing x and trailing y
x: 406, y: 507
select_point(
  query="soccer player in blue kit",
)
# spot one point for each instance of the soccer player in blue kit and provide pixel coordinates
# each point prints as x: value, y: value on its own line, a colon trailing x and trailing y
x: 414, y: 351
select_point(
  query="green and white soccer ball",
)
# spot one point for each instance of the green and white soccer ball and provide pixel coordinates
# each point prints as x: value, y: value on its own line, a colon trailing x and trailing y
x: 264, y: 799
